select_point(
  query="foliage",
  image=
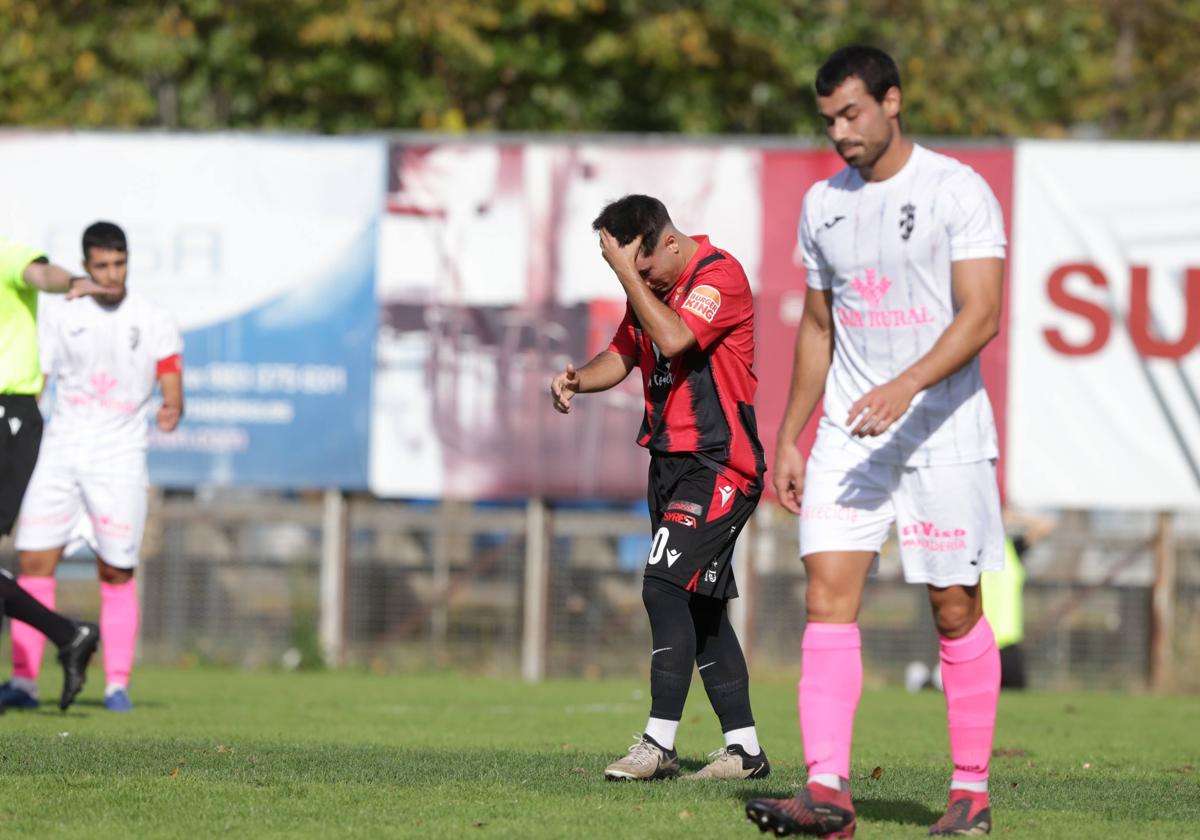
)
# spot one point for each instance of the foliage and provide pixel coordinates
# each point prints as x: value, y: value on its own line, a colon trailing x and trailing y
x: 972, y: 68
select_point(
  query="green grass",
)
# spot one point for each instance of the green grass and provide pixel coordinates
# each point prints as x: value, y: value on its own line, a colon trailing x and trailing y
x: 354, y: 754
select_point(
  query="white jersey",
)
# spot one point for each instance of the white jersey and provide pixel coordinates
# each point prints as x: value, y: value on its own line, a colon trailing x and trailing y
x: 104, y: 364
x: 885, y: 249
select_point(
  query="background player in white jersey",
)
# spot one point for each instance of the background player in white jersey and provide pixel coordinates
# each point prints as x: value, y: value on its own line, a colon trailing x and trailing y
x: 904, y: 257
x: 105, y: 355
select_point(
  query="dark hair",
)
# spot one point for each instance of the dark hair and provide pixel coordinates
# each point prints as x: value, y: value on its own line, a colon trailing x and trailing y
x: 873, y: 66
x: 104, y: 235
x: 634, y: 215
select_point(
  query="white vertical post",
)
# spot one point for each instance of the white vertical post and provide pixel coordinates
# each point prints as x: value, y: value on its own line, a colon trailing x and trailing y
x: 1162, y: 610
x: 537, y: 579
x: 334, y: 560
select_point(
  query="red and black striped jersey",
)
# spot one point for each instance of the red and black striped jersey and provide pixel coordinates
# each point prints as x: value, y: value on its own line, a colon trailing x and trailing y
x: 702, y: 401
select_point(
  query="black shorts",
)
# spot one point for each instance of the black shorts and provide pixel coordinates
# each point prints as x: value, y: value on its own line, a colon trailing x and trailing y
x: 695, y: 516
x: 20, y: 440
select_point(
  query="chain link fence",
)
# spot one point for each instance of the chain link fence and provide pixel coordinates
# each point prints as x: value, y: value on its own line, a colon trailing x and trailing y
x: 235, y: 579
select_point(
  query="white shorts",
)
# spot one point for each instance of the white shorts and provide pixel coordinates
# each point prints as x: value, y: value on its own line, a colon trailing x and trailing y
x: 64, y: 504
x: 947, y: 517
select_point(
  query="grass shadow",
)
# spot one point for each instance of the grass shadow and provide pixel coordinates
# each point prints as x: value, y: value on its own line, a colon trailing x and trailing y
x: 883, y: 810
x: 897, y: 811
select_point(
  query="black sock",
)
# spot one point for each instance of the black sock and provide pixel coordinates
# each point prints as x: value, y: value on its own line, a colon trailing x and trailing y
x: 722, y: 665
x: 674, y: 648
x: 20, y: 605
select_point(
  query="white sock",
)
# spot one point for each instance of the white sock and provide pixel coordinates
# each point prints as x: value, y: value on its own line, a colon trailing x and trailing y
x: 25, y: 684
x: 662, y: 731
x: 746, y: 738
x: 974, y: 787
x: 113, y: 688
x: 830, y: 780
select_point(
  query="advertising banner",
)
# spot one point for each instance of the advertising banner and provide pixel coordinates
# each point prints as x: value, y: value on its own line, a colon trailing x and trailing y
x: 1105, y: 378
x: 491, y: 280
x: 263, y: 249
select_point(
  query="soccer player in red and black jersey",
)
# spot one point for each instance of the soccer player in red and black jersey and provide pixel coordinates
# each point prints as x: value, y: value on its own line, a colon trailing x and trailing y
x: 689, y: 329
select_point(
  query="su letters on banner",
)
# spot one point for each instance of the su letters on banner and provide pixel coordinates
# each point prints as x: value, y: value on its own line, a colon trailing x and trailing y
x: 1140, y: 328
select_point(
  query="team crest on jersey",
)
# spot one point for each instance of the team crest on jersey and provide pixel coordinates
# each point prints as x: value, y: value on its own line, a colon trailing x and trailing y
x: 135, y: 335
x: 908, y: 217
x: 704, y: 301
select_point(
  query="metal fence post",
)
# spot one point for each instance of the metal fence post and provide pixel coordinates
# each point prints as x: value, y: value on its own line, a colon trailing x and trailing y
x: 1162, y: 615
x: 335, y: 550
x: 537, y: 590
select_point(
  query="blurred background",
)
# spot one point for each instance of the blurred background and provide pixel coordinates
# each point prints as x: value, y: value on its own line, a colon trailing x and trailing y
x: 372, y: 220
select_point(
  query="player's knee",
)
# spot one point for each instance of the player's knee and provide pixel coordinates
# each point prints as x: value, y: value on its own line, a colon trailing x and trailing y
x: 830, y: 604
x: 38, y: 563
x: 113, y: 574
x: 955, y: 619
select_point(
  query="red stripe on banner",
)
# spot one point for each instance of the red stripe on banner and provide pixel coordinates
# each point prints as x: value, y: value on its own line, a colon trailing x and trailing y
x: 996, y: 167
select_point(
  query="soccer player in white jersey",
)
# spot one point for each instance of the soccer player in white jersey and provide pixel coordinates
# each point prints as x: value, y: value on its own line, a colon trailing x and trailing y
x: 903, y: 252
x: 105, y: 354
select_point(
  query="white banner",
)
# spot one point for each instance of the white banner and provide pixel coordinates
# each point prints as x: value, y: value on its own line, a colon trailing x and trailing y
x: 1104, y: 377
x: 263, y: 249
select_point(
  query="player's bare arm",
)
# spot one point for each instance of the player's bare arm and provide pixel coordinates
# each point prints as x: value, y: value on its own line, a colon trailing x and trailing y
x: 606, y: 370
x: 171, y: 410
x: 978, y: 290
x: 48, y: 277
x: 667, y: 330
x: 810, y: 366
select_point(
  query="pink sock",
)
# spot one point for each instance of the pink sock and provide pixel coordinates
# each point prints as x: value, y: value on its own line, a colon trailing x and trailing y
x: 28, y: 643
x: 118, y: 629
x: 971, y: 679
x: 830, y: 685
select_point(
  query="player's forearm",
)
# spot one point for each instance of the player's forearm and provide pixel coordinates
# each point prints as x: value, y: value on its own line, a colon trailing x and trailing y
x: 172, y: 391
x: 967, y: 335
x: 48, y: 277
x: 667, y: 330
x: 605, y: 371
x: 810, y: 367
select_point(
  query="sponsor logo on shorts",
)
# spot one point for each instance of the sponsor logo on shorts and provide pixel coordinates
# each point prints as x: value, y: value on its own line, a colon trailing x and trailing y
x: 686, y: 507
x: 710, y: 576
x: 836, y: 513
x: 928, y: 536
x: 704, y: 301
x: 106, y: 526
x: 680, y: 518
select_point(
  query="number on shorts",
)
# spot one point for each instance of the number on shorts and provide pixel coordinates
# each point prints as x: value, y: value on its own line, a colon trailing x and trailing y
x: 659, y: 545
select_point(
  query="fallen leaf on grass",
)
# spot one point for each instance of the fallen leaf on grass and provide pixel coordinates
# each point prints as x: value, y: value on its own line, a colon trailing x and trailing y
x: 877, y: 773
x: 221, y: 748
x: 683, y: 815
x: 174, y: 773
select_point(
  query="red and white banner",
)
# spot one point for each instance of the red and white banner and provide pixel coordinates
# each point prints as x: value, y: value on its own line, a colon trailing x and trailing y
x: 490, y: 280
x: 1104, y: 393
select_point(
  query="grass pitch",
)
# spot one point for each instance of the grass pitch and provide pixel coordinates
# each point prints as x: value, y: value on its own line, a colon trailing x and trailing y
x: 254, y: 755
